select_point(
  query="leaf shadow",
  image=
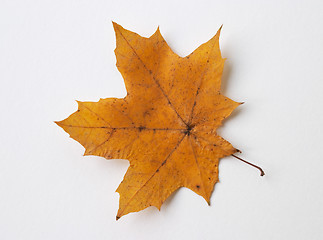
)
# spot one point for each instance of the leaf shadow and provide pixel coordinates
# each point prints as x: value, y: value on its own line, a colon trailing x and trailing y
x: 225, y: 76
x: 169, y: 200
x: 225, y: 83
x: 233, y: 114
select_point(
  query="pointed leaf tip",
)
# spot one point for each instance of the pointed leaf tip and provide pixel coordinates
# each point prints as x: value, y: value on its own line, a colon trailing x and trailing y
x: 219, y: 31
x: 116, y: 26
x: 157, y: 34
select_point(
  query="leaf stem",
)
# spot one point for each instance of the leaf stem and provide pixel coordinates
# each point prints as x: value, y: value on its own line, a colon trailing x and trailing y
x: 262, y: 173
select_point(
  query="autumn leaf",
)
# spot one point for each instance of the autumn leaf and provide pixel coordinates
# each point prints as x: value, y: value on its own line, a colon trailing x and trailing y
x: 165, y: 126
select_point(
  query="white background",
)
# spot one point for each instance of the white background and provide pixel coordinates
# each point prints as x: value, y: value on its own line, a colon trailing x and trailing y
x: 55, y: 52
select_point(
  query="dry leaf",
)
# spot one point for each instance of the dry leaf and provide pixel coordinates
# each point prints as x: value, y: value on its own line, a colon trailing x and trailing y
x: 165, y: 126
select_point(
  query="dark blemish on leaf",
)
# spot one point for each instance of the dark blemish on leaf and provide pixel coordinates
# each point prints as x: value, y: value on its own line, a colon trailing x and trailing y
x: 157, y: 170
x: 141, y: 128
x: 146, y: 113
x: 197, y: 186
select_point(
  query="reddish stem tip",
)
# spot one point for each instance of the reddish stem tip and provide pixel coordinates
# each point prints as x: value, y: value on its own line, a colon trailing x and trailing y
x: 262, y: 173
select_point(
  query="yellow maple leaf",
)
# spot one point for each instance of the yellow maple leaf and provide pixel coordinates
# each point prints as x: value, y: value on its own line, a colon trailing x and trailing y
x: 165, y: 126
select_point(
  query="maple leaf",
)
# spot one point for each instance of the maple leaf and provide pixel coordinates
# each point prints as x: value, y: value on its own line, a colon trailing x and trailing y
x: 165, y: 126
